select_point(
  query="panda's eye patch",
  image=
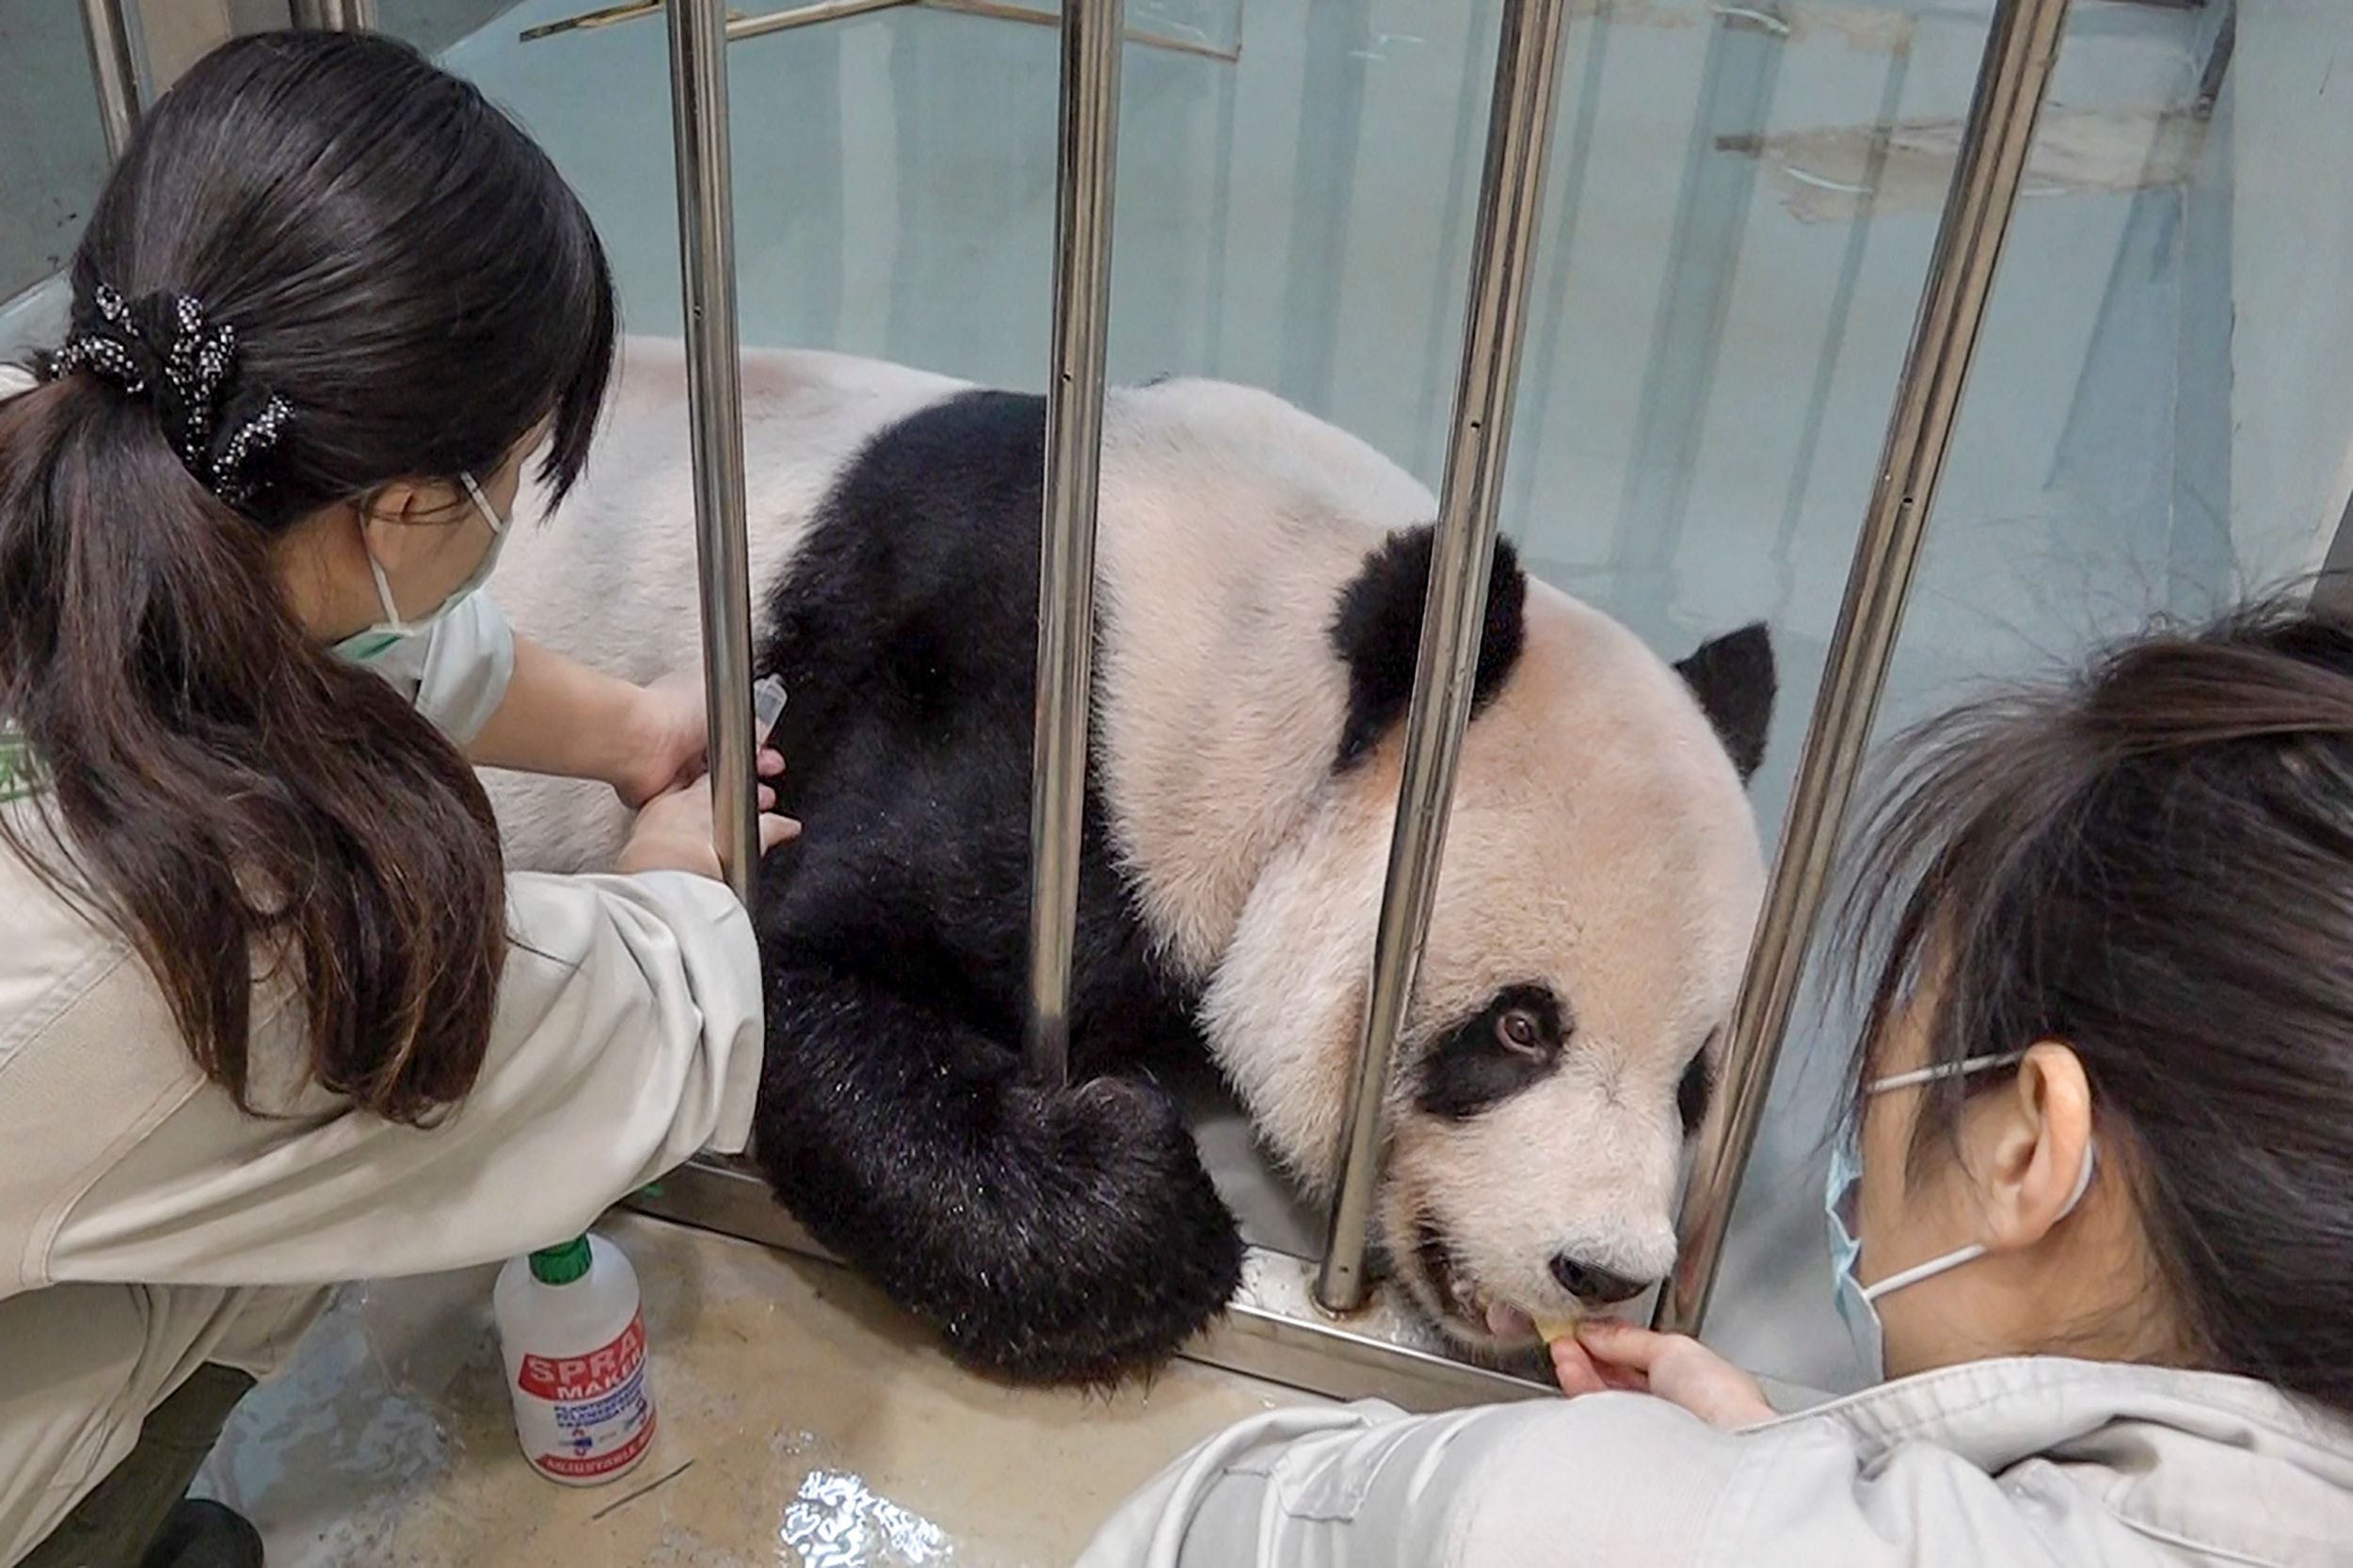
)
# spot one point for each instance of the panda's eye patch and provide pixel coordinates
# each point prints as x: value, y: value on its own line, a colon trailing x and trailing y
x: 1516, y: 1041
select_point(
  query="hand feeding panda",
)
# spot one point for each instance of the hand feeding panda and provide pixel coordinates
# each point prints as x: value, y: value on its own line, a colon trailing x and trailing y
x: 1259, y: 588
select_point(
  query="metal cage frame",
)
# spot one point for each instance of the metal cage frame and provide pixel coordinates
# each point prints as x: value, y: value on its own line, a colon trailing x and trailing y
x: 1314, y: 1323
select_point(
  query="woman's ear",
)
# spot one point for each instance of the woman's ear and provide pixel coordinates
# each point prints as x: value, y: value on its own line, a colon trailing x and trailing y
x: 398, y: 521
x: 2031, y: 1157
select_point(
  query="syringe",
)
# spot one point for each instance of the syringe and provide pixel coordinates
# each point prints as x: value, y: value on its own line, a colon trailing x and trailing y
x: 767, y: 707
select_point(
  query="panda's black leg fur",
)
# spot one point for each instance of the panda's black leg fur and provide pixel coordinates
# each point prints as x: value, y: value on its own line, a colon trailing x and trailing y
x: 1064, y: 1236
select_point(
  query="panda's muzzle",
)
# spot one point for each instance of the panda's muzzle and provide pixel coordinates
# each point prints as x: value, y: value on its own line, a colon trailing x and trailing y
x: 1593, y: 1285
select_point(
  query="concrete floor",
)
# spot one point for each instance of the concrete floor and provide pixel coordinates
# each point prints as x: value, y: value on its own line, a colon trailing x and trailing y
x: 802, y: 1423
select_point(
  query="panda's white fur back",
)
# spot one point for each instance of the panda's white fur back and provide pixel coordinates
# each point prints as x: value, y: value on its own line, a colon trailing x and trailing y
x: 1208, y: 741
x: 612, y: 578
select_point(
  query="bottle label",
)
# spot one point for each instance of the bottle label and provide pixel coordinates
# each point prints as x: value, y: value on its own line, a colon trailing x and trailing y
x: 585, y: 1418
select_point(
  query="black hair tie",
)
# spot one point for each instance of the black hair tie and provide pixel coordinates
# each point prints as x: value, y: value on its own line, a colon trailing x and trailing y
x: 163, y: 348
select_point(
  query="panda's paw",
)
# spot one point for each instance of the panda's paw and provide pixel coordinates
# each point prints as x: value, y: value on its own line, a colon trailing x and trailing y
x: 1121, y: 1252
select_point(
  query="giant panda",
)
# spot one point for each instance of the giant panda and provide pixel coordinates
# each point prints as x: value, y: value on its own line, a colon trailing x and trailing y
x: 1261, y: 579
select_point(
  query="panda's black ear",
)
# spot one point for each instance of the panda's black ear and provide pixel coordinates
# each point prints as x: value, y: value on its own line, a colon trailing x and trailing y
x: 1734, y: 679
x: 1377, y: 633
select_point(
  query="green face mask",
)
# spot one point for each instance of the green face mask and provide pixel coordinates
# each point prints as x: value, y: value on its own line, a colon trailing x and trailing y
x: 388, y: 633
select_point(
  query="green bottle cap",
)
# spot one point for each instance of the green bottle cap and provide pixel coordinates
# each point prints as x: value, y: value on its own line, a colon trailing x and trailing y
x: 561, y: 1265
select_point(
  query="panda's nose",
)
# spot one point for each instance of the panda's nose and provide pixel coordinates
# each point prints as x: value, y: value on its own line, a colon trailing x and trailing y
x: 1595, y: 1287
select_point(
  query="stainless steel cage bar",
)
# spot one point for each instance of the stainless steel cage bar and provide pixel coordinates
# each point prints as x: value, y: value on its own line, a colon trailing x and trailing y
x: 338, y: 16
x: 1510, y: 201
x: 114, y: 69
x: 714, y: 397
x: 1085, y: 164
x: 2333, y: 590
x: 2022, y: 44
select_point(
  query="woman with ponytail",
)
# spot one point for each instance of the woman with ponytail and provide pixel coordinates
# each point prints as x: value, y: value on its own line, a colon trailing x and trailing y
x: 273, y: 1015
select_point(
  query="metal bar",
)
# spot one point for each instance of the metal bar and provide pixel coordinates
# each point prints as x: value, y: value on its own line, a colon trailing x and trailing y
x: 1074, y: 449
x: 115, y: 71
x: 335, y: 16
x: 2022, y: 44
x: 2333, y: 590
x: 714, y: 401
x: 742, y: 27
x: 999, y: 10
x: 1511, y: 198
x: 739, y: 26
x: 605, y: 16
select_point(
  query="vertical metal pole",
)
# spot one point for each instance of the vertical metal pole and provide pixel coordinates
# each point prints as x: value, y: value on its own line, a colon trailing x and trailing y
x: 116, y: 71
x: 335, y: 16
x: 1091, y: 33
x: 2333, y: 590
x: 2020, y: 47
x: 714, y: 403
x: 1511, y: 199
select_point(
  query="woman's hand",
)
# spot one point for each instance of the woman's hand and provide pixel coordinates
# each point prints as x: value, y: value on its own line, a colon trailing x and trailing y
x: 674, y: 832
x: 1605, y: 1355
x: 669, y: 735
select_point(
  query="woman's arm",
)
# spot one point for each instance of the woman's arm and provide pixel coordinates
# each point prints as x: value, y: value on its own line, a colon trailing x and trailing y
x: 1543, y: 1484
x: 626, y: 1036
x: 562, y: 718
x: 508, y: 702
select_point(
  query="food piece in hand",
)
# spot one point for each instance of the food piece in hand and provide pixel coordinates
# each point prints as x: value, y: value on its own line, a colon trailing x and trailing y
x: 1516, y: 1324
x: 1555, y: 1329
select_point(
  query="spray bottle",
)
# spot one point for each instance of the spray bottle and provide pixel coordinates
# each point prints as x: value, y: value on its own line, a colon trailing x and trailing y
x: 575, y: 1340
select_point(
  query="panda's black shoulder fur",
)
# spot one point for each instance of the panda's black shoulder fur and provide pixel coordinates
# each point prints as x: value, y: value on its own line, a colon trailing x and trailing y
x: 906, y: 631
x: 1377, y: 633
x: 1051, y: 1234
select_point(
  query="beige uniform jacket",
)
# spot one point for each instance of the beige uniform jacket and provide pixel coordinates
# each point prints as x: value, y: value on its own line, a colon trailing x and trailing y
x: 148, y: 1225
x: 2023, y: 1463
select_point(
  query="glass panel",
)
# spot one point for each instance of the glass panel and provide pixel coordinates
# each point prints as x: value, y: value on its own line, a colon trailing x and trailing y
x: 2100, y: 472
x: 1213, y: 26
x: 433, y: 26
x: 1742, y: 202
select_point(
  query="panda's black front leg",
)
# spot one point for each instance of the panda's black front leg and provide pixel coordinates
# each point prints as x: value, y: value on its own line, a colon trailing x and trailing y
x: 1066, y: 1236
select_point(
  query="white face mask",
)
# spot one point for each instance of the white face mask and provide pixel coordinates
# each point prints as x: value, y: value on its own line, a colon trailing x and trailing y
x: 1855, y: 1299
x: 361, y: 646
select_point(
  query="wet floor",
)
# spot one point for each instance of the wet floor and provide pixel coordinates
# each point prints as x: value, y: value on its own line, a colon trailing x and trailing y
x: 803, y: 1423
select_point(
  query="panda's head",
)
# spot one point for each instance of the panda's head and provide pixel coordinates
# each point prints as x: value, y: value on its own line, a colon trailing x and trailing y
x: 1601, y: 877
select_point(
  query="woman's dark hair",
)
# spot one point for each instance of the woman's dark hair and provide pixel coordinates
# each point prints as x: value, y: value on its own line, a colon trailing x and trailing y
x: 408, y: 274
x: 2153, y: 864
